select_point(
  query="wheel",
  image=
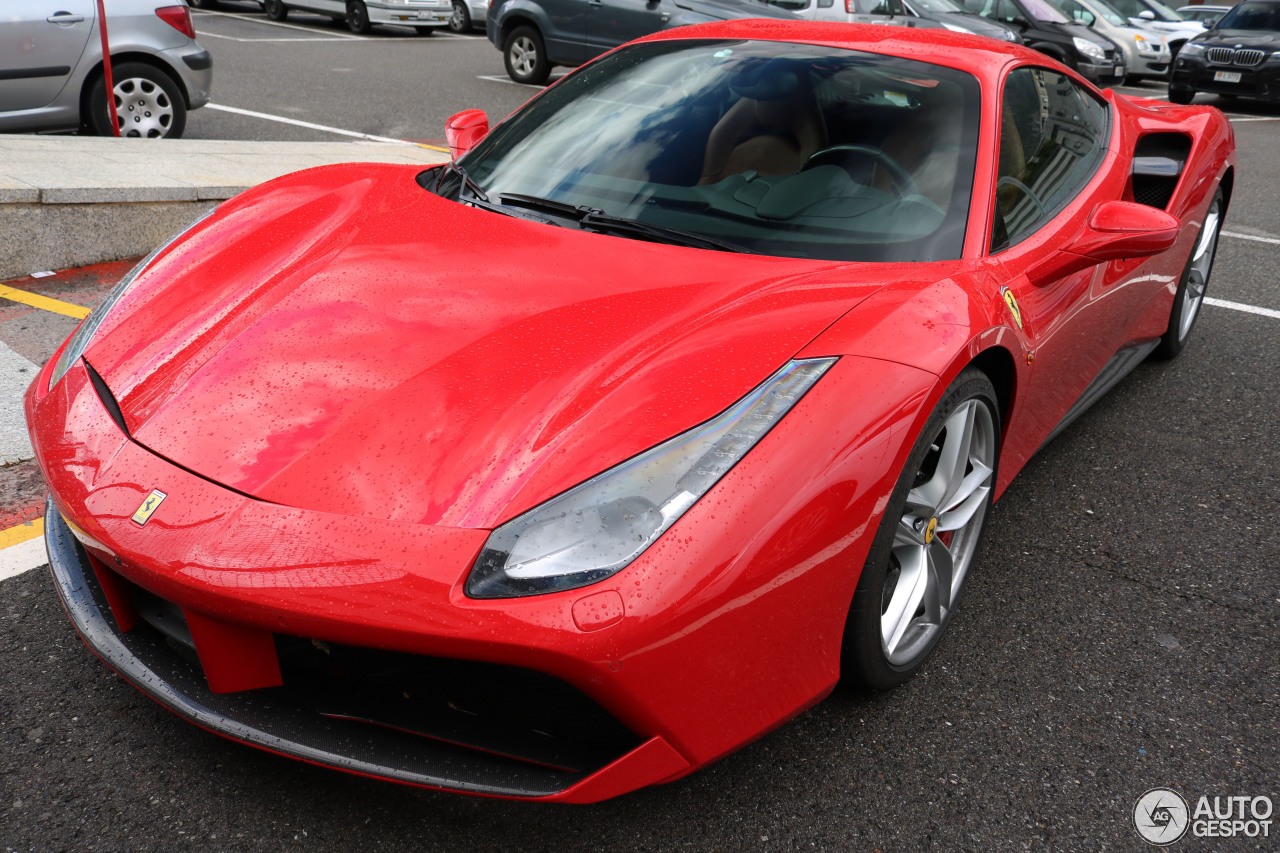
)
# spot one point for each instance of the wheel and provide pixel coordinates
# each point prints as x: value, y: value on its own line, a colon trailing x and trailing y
x: 423, y: 32
x: 203, y: 4
x: 843, y: 155
x: 275, y: 9
x: 1181, y: 96
x: 1132, y: 80
x: 526, y: 57
x: 461, y: 20
x: 358, y: 17
x: 924, y: 547
x: 148, y: 103
x: 1195, y: 279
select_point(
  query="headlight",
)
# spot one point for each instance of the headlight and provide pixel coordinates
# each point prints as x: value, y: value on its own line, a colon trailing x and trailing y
x: 598, y: 528
x: 957, y: 29
x: 1089, y: 49
x: 1191, y: 49
x: 1147, y: 45
x: 81, y: 337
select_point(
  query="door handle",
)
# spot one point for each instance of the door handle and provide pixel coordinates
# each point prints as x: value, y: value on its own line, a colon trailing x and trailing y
x: 64, y: 18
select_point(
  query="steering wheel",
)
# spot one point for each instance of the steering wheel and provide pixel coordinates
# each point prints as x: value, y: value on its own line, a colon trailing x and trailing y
x: 1011, y: 181
x: 840, y: 155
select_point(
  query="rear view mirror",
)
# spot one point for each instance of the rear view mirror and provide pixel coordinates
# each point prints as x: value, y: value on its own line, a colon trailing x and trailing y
x: 464, y: 130
x: 1147, y: 15
x: 1114, y: 230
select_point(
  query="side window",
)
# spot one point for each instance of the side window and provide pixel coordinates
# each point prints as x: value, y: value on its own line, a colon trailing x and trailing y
x: 1128, y: 8
x: 879, y: 7
x: 1006, y: 11
x: 1053, y: 136
x: 1076, y: 12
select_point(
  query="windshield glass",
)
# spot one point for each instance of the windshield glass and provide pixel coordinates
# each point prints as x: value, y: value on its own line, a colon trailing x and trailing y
x: 1252, y: 16
x: 775, y: 148
x: 940, y: 6
x: 1107, y: 11
x: 1042, y: 11
x: 1162, y: 11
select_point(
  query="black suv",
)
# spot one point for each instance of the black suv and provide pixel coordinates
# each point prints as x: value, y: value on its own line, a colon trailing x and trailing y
x: 1094, y: 56
x: 535, y: 35
x: 1239, y: 56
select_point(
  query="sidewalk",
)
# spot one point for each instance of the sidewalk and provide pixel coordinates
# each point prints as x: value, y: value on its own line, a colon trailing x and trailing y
x: 68, y: 201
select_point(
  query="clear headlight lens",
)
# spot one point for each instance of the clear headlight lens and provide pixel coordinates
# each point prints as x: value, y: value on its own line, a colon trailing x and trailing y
x: 83, y: 335
x: 956, y: 28
x: 598, y: 528
x: 1147, y: 45
x: 1089, y: 49
x: 1191, y: 49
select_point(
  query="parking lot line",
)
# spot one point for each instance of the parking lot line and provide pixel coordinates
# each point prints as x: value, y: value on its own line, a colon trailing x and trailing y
x: 313, y: 126
x: 1240, y: 306
x: 44, y: 303
x: 269, y: 23
x: 22, y: 549
x: 1238, y: 236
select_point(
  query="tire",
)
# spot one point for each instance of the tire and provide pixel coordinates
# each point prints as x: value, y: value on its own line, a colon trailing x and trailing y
x: 461, y: 20
x: 275, y: 9
x: 526, y: 56
x: 203, y: 4
x: 927, y: 539
x: 148, y: 102
x: 1132, y: 79
x: 358, y: 17
x: 1189, y: 296
x: 1181, y: 96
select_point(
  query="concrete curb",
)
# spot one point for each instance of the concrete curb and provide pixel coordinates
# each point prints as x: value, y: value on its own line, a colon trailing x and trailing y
x: 68, y: 201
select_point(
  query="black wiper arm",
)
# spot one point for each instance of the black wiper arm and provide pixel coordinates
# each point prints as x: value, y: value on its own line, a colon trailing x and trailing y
x: 604, y: 222
x: 546, y: 205
x: 468, y: 182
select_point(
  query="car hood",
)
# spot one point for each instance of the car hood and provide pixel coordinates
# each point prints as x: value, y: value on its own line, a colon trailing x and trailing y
x: 344, y: 341
x: 1231, y: 38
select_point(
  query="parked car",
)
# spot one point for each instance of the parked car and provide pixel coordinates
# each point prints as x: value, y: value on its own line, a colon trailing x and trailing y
x: 1154, y: 14
x: 1043, y: 27
x: 1207, y: 15
x: 577, y: 463
x: 1146, y: 51
x: 1238, y: 57
x: 537, y: 35
x: 51, y: 67
x: 925, y: 14
x: 424, y: 16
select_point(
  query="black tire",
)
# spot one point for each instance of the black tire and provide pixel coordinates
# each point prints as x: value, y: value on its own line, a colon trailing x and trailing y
x: 866, y: 658
x: 1181, y: 96
x: 526, y: 57
x: 203, y: 4
x: 423, y: 32
x: 1132, y: 79
x: 460, y: 22
x: 1189, y: 297
x: 275, y: 9
x: 358, y: 17
x: 149, y: 103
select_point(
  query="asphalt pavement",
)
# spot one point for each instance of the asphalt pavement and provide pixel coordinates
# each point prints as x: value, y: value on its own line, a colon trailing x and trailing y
x: 1119, y: 632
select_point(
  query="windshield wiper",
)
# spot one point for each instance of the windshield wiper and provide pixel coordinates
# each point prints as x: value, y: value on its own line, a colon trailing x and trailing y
x: 468, y: 182
x: 607, y: 223
x: 546, y: 205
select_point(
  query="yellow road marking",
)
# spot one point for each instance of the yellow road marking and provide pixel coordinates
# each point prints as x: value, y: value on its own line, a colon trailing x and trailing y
x: 44, y: 303
x: 21, y: 533
x: 432, y: 147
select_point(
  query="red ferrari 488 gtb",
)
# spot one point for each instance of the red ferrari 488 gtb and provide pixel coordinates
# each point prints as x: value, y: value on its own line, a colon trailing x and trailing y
x: 578, y: 462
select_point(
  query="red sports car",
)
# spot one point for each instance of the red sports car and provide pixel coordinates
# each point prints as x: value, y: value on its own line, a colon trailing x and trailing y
x: 581, y: 461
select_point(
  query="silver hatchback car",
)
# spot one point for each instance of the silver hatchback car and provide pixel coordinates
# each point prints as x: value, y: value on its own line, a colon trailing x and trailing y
x: 51, y: 66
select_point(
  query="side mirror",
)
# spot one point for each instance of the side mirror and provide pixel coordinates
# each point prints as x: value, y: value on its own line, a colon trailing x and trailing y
x: 1147, y: 15
x: 464, y: 130
x: 1114, y: 230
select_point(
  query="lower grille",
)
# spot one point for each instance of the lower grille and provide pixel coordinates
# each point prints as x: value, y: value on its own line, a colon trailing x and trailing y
x: 463, y: 725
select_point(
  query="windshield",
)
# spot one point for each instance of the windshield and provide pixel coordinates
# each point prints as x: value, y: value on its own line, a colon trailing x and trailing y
x: 1108, y: 12
x: 940, y: 6
x: 773, y: 148
x: 1162, y: 11
x: 1041, y: 10
x: 1252, y: 16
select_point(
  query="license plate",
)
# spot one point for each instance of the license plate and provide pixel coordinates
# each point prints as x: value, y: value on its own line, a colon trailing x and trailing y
x: 1119, y: 70
x: 1226, y: 76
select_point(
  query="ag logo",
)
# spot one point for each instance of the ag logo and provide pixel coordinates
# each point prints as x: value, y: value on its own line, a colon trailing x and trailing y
x: 149, y: 506
x: 1161, y: 816
x: 1013, y: 305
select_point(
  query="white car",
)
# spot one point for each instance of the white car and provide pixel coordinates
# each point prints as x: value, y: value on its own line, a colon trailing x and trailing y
x: 1154, y: 14
x: 360, y: 15
x: 1146, y: 51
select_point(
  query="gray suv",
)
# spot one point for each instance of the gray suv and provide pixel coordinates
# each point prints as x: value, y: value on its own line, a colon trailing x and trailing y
x: 51, y: 66
x: 536, y: 35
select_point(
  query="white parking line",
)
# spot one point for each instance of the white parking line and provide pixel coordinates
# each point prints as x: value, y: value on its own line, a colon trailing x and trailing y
x: 23, y: 557
x: 1253, y: 118
x: 208, y: 35
x: 317, y: 35
x: 1237, y: 235
x: 307, y: 124
x: 1239, y: 306
x: 269, y: 23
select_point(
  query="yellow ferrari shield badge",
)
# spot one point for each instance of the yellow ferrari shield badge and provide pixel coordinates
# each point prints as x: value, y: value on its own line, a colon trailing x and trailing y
x: 149, y: 507
x: 930, y: 530
x: 1013, y: 305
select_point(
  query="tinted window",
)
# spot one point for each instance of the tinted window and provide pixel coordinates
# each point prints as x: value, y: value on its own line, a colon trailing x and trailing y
x: 1252, y: 16
x: 1053, y: 136
x: 782, y: 149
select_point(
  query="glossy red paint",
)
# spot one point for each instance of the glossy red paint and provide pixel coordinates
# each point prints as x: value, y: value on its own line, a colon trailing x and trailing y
x: 340, y: 405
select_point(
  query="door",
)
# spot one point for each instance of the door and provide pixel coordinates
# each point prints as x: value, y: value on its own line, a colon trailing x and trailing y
x: 41, y: 41
x: 612, y: 22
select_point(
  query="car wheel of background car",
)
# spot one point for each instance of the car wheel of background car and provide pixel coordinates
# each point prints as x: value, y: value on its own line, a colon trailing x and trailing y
x: 148, y: 103
x: 922, y: 552
x: 1181, y: 96
x: 203, y: 4
x: 460, y: 22
x: 1195, y: 280
x: 358, y: 17
x: 1132, y: 80
x: 525, y: 57
x: 275, y: 9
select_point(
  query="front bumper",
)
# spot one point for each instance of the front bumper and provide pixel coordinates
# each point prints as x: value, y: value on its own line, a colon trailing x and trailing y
x: 1103, y: 74
x: 1197, y: 74
x: 410, y: 14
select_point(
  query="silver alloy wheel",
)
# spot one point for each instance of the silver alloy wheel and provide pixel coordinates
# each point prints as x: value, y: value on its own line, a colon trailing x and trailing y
x: 143, y: 108
x: 524, y: 55
x: 459, y: 21
x: 935, y: 540
x: 1201, y: 266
